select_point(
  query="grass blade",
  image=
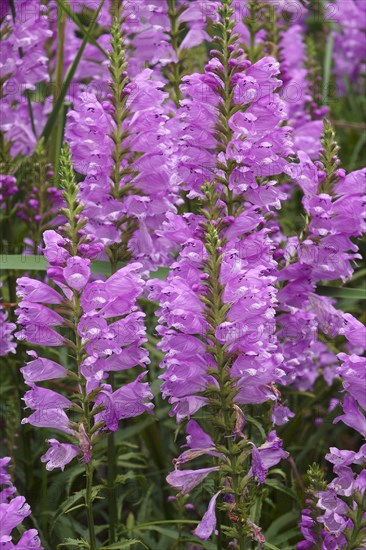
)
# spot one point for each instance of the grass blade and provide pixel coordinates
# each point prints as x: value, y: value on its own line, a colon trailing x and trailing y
x: 350, y: 293
x: 68, y: 79
x: 327, y: 66
x: 66, y: 8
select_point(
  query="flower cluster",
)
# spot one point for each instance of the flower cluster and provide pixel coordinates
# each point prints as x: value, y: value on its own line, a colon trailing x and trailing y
x: 107, y: 333
x: 13, y: 510
x: 24, y: 64
x: 149, y: 26
x: 349, y: 54
x: 325, y: 251
x: 340, y: 508
x: 216, y: 320
x: 105, y: 346
x: 129, y: 185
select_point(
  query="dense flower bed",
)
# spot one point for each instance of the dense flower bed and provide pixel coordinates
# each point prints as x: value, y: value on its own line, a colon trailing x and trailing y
x: 181, y: 323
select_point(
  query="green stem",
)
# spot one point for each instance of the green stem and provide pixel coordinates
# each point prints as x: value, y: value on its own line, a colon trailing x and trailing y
x: 175, y: 78
x: 112, y: 455
x: 111, y: 477
x: 55, y: 144
x: 44, y: 513
x: 356, y: 537
x: 89, y: 505
x: 84, y: 425
x: 87, y: 426
x: 216, y: 312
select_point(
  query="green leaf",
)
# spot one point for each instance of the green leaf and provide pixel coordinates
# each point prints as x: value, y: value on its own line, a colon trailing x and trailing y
x: 156, y: 525
x: 361, y: 273
x: 256, y: 510
x: 286, y: 536
x: 345, y: 292
x: 170, y: 533
x: 357, y: 150
x: 79, y: 543
x: 66, y: 8
x: 257, y: 424
x: 280, y: 523
x: 160, y: 273
x: 23, y: 262
x: 68, y: 79
x: 327, y: 66
x: 278, y: 486
x: 123, y: 544
x: 69, y: 504
x: 77, y: 507
x: 29, y: 262
x: 271, y: 546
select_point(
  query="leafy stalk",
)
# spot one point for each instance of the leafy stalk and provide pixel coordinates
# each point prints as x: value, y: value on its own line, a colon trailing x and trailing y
x: 117, y: 252
x: 254, y: 24
x: 117, y: 67
x: 223, y: 413
x: 75, y: 224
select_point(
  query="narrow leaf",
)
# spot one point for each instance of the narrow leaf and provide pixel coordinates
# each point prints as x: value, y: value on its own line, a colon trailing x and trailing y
x: 66, y: 8
x: 68, y: 79
x: 123, y: 544
x: 345, y: 292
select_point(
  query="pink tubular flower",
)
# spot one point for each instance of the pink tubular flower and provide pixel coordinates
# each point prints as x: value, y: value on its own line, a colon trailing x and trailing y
x: 267, y: 455
x: 77, y: 272
x: 353, y: 373
x: 13, y: 510
x: 7, y: 344
x: 59, y: 454
x: 131, y: 400
x: 41, y: 368
x: 352, y: 416
x: 186, y: 480
x: 207, y: 524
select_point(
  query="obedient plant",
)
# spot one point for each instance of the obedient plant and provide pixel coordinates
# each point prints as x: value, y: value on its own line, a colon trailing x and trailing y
x: 217, y: 305
x: 349, y: 26
x: 118, y: 145
x: 101, y: 326
x: 324, y: 251
x: 199, y: 239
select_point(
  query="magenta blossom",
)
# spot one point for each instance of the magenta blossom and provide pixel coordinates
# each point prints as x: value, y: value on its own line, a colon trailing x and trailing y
x: 186, y: 480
